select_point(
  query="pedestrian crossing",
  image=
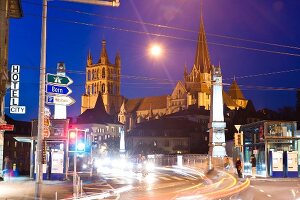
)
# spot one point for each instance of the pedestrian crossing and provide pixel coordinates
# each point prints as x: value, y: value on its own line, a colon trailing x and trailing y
x: 156, y: 177
x: 138, y: 178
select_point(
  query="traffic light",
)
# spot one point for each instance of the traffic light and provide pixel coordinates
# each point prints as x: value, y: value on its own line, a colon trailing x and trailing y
x: 81, y: 140
x: 77, y: 140
x: 72, y: 140
x: 238, y: 139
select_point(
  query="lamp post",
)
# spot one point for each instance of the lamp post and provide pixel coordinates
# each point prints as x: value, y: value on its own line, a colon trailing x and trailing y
x: 41, y: 114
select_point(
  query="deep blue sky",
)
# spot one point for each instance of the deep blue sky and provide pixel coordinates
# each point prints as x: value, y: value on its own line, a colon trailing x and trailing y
x: 272, y: 21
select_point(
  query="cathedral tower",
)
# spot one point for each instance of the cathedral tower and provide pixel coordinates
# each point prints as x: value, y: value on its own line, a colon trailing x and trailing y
x: 198, y: 81
x: 102, y: 77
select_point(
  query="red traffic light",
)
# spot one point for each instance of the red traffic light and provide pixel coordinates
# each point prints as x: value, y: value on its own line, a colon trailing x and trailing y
x: 72, y: 134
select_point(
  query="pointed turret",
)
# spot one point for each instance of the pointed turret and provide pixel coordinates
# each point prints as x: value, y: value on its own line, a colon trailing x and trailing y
x: 185, y: 73
x: 237, y: 96
x: 235, y: 91
x: 103, y: 56
x: 202, y: 61
x: 118, y: 59
x: 89, y: 60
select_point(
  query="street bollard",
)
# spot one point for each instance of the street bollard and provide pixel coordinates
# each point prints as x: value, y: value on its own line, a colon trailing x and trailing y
x: 55, y: 195
x: 81, y: 188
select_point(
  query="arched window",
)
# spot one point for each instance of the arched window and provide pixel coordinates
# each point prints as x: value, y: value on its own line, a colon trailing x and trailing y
x: 103, y: 72
x: 109, y: 88
x: 89, y: 75
x: 103, y: 88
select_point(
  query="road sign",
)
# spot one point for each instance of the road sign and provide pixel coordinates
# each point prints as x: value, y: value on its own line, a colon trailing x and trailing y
x: 59, y: 80
x: 59, y: 100
x: 56, y: 89
x: 46, y: 122
x: 6, y: 127
x: 46, y: 132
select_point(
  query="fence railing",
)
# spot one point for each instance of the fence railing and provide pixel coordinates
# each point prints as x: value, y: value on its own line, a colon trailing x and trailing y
x: 193, y: 160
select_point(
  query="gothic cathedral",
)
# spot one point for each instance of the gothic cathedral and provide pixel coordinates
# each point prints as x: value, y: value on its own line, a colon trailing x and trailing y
x: 194, y: 90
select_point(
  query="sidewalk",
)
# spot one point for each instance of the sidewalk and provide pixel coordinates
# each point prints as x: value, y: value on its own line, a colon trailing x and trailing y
x: 24, y: 188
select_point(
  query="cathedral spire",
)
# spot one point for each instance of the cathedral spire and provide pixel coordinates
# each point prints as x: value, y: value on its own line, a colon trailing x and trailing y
x: 89, y: 58
x: 202, y: 61
x: 118, y: 59
x: 103, y: 56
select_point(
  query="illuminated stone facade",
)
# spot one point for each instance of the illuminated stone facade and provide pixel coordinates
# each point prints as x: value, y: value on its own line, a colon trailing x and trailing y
x: 103, y: 77
x: 194, y: 89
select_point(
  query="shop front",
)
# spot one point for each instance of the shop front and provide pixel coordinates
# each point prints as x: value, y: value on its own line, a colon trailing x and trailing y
x: 275, y: 147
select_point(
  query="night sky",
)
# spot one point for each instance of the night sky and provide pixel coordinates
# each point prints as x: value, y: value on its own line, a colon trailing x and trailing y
x: 75, y: 28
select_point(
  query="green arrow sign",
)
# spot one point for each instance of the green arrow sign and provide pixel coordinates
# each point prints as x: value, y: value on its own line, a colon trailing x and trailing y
x: 59, y: 80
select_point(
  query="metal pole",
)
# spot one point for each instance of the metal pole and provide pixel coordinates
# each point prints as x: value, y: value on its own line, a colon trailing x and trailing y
x: 75, y: 176
x: 39, y: 174
x: 80, y: 188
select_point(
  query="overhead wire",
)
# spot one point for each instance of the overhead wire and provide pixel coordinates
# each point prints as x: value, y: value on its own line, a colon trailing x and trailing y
x: 180, y: 38
x: 175, y: 37
x: 166, y: 27
x: 169, y: 36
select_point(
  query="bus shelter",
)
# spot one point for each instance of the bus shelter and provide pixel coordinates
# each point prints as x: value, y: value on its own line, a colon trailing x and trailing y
x: 275, y: 146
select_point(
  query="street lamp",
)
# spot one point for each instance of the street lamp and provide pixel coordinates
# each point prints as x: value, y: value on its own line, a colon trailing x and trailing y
x: 41, y: 117
x: 155, y: 50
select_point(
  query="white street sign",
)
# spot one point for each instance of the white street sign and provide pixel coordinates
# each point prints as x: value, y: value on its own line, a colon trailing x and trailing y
x: 59, y: 100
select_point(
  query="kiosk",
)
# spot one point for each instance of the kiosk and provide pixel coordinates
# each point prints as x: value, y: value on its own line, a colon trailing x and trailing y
x: 291, y: 164
x: 276, y: 164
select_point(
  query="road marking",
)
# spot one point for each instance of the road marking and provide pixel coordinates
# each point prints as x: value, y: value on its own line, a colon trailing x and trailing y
x: 177, y: 178
x: 164, y: 178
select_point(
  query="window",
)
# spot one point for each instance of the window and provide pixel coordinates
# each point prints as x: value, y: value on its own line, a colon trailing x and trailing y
x: 103, y: 88
x: 89, y: 75
x: 103, y: 72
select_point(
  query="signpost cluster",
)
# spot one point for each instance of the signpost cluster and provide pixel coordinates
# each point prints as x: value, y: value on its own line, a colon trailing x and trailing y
x: 57, y: 90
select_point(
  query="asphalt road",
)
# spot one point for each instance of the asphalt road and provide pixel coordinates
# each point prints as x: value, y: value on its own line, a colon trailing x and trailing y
x: 273, y: 189
x: 163, y: 183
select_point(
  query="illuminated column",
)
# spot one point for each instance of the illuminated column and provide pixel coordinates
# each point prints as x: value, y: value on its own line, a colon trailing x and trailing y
x: 60, y: 111
x: 216, y: 123
x: 122, y: 140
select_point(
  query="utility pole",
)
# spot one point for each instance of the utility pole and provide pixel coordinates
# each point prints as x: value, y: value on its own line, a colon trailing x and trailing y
x: 41, y: 114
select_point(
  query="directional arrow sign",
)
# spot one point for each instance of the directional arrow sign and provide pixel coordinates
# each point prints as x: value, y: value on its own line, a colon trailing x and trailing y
x: 56, y: 89
x: 60, y: 100
x: 59, y: 80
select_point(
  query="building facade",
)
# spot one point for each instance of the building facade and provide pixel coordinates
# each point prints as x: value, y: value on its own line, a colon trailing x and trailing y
x: 195, y: 89
x: 103, y: 77
x: 8, y: 9
x: 18, y: 152
x: 102, y: 129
